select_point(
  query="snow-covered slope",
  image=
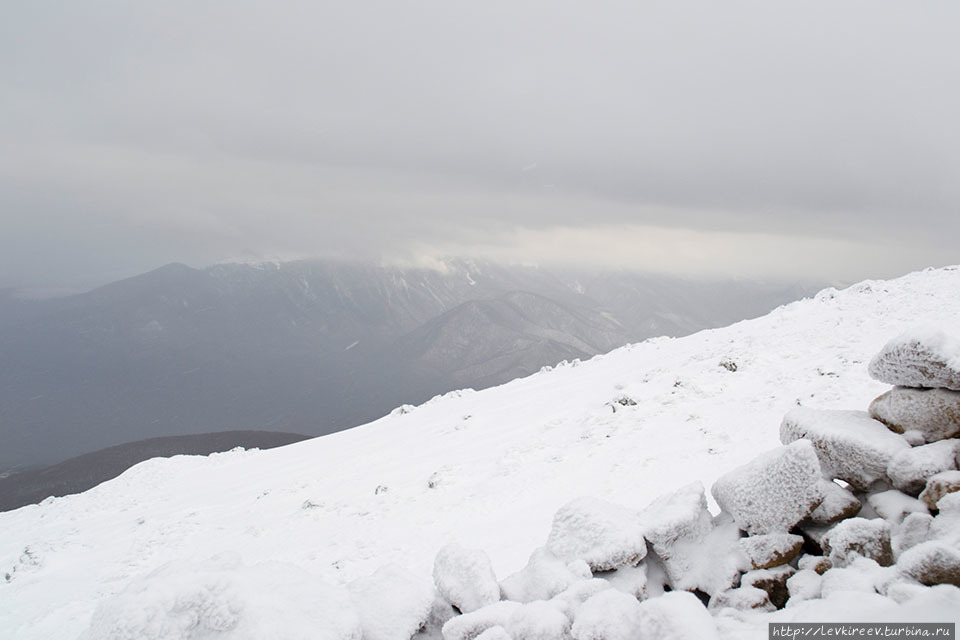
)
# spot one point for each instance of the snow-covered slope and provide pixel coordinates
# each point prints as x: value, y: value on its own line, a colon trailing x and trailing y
x: 485, y: 469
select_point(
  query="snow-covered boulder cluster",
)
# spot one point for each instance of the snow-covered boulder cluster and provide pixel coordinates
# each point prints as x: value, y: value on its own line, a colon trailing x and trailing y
x: 853, y: 501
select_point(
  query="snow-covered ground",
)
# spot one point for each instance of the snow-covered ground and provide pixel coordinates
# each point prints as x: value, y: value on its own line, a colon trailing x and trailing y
x: 484, y: 469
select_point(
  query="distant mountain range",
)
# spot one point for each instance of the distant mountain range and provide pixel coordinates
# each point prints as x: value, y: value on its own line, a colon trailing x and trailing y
x: 313, y: 347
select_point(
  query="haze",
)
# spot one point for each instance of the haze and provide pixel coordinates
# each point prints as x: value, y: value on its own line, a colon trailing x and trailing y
x: 801, y: 140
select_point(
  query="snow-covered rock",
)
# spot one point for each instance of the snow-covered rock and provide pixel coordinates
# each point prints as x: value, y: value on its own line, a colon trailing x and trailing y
x: 630, y: 580
x: 771, y: 549
x: 895, y: 505
x: 919, y: 357
x: 803, y: 585
x: 909, y: 469
x: 465, y: 578
x: 544, y: 576
x: 223, y: 598
x: 939, y: 485
x: 856, y: 537
x: 850, y: 445
x: 604, y: 535
x: 677, y: 615
x: 930, y: 563
x: 820, y: 564
x: 392, y: 603
x: 494, y: 633
x: 935, y: 413
x: 470, y: 625
x: 774, y: 491
x: 609, y: 615
x: 914, y: 529
x: 838, y: 504
x: 742, y: 599
x: 772, y: 581
x: 862, y: 575
x: 946, y: 525
x: 571, y: 599
x: 538, y: 620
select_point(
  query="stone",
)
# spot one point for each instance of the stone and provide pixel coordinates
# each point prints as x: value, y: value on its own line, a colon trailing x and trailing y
x: 543, y: 577
x: 850, y: 445
x: 859, y: 537
x: 939, y: 485
x: 819, y: 564
x: 934, y: 413
x: 742, y: 599
x: 909, y: 469
x: 772, y: 581
x: 771, y: 549
x: 838, y: 504
x: 603, y: 534
x: 931, y: 563
x: 921, y: 357
x: 465, y: 578
x: 773, y: 492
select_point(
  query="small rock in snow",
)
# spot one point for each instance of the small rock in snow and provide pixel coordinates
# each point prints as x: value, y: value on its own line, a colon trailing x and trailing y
x: 465, y: 578
x: 859, y: 537
x: 920, y: 357
x: 771, y: 549
x: 742, y: 599
x: 909, y: 469
x: 838, y: 504
x: 850, y: 445
x: 939, y: 485
x: 603, y: 534
x: 774, y: 491
x: 935, y: 413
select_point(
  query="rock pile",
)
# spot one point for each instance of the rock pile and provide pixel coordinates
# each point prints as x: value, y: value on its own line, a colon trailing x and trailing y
x: 863, y: 501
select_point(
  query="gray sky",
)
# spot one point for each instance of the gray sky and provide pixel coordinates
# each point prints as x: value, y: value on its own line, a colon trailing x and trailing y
x: 805, y: 139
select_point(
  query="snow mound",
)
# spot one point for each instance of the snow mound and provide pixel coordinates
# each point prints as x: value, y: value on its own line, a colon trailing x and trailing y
x: 538, y: 621
x: 774, y: 491
x: 935, y: 413
x: 465, y: 578
x: 570, y: 601
x: 543, y: 577
x: 223, y: 598
x: 392, y: 603
x: 851, y: 445
x: 803, y: 585
x: 677, y: 615
x: 609, y: 615
x: 919, y: 357
x: 910, y: 469
x: 602, y: 534
x: 470, y: 625
x: 894, y: 505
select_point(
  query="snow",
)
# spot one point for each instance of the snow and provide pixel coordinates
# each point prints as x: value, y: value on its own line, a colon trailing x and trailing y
x: 630, y: 580
x: 609, y: 615
x: 761, y: 506
x: 914, y: 529
x: 862, y: 574
x: 919, y: 357
x: 509, y: 457
x: 543, y: 577
x: 851, y: 445
x: 677, y: 615
x: 470, y: 625
x: 465, y: 578
x: 571, y: 600
x: 909, y: 469
x: 894, y: 505
x: 933, y: 413
x: 803, y: 585
x: 538, y: 621
x: 494, y: 633
x: 604, y: 535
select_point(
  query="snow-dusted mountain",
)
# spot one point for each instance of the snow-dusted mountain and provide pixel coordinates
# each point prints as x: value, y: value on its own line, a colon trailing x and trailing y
x: 486, y: 469
x: 311, y: 347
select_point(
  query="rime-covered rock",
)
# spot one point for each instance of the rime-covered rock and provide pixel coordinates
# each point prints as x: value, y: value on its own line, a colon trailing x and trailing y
x: 544, y: 576
x: 470, y: 625
x: 909, y: 469
x: 803, y: 585
x: 677, y: 615
x: 935, y: 413
x: 850, y: 445
x: 862, y: 574
x: 609, y: 615
x: 946, y: 525
x: 920, y: 357
x: 604, y: 535
x: 772, y: 581
x: 538, y: 621
x: 914, y: 529
x: 838, y: 504
x: 695, y: 553
x: 571, y: 599
x: 630, y: 580
x: 771, y: 549
x: 773, y: 492
x: 939, y: 485
x: 930, y: 563
x: 859, y: 537
x: 895, y: 505
x: 465, y: 578
x: 392, y: 603
x: 742, y: 599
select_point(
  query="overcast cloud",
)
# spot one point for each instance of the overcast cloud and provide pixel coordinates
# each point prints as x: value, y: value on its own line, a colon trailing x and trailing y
x: 804, y: 139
